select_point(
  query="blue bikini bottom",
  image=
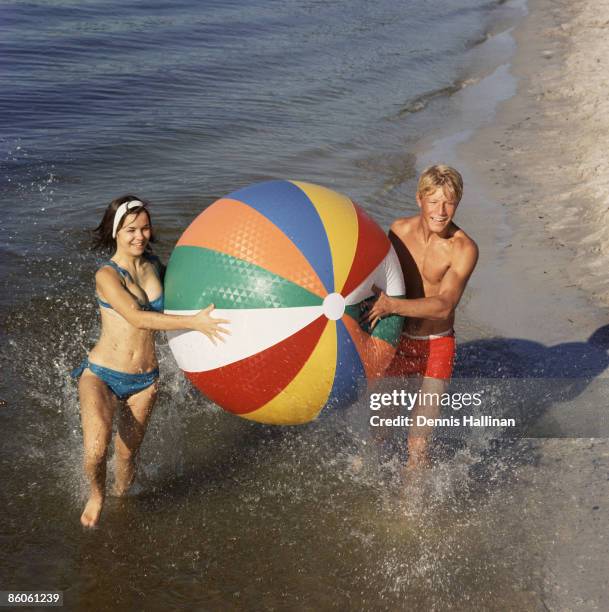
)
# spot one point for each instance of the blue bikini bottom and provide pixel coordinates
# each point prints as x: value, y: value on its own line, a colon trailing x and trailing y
x: 123, y: 385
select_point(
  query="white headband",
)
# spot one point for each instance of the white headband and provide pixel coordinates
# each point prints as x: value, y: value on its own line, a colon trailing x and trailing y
x: 121, y: 211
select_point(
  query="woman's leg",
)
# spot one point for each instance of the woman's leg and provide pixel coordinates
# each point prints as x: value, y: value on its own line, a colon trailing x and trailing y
x: 97, y: 405
x: 132, y: 423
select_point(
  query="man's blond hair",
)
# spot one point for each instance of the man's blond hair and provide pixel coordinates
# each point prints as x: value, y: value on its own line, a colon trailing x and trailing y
x: 441, y: 176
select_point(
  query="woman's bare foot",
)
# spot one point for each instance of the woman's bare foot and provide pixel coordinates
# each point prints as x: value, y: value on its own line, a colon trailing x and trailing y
x: 90, y: 515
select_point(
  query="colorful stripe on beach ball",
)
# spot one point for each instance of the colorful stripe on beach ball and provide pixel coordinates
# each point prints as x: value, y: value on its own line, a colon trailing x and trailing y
x: 289, y: 264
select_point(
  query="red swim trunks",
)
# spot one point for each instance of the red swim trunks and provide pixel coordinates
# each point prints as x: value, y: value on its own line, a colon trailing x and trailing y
x: 429, y: 356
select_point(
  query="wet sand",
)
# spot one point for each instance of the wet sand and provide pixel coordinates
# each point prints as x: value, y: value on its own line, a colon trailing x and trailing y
x: 536, y: 177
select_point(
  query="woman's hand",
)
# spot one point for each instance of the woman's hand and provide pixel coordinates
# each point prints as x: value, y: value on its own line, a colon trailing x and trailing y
x: 208, y: 325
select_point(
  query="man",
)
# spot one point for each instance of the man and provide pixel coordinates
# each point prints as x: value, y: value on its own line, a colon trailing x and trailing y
x: 437, y: 259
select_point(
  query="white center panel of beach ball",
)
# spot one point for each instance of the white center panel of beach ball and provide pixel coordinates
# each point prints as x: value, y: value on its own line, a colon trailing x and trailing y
x: 334, y: 306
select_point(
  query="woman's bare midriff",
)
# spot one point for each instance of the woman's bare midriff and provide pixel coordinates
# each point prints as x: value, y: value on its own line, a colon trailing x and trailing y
x: 123, y: 347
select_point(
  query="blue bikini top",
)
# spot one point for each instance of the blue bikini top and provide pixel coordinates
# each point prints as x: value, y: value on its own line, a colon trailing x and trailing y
x: 156, y: 305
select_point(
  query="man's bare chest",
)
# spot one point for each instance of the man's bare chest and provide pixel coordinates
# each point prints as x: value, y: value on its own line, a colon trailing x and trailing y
x: 429, y: 261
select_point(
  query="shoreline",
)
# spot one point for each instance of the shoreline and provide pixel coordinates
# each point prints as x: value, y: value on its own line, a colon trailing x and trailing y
x: 510, y: 171
x: 538, y: 280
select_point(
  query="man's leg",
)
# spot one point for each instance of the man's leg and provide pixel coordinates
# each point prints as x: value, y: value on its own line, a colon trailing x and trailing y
x: 419, y: 435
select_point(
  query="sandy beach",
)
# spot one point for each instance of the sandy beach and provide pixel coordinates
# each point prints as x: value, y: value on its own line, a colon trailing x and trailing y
x: 541, y: 170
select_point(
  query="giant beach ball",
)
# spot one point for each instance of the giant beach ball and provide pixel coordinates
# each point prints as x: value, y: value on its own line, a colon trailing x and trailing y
x: 289, y: 264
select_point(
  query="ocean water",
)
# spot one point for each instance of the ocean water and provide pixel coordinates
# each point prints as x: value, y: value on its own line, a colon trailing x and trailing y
x: 182, y: 102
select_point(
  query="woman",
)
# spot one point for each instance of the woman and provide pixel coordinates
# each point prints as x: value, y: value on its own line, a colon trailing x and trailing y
x: 121, y: 371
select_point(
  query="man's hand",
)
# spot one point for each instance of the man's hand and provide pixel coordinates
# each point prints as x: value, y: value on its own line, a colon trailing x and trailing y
x: 381, y: 308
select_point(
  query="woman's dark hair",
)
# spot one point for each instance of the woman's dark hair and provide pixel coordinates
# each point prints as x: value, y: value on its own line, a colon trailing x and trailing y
x: 102, y: 234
